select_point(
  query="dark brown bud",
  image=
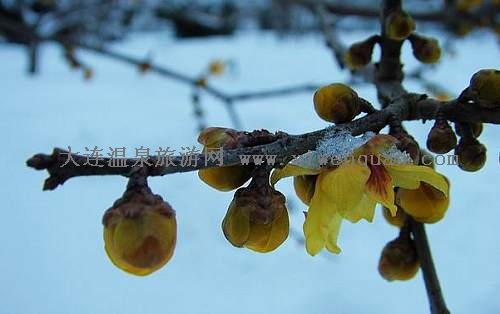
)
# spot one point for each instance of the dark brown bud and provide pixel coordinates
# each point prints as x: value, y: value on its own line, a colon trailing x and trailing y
x: 441, y: 138
x: 399, y: 259
x: 471, y: 154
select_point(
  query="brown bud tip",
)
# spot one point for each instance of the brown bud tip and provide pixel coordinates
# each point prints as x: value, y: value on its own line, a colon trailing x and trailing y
x: 441, y: 138
x: 471, y: 154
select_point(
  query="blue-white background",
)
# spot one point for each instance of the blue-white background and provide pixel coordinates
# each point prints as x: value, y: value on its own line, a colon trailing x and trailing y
x: 51, y: 250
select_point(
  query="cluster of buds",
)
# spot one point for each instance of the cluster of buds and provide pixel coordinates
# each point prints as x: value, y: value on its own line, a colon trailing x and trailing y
x: 140, y: 231
x: 337, y: 103
x: 483, y: 92
x: 399, y: 258
x: 399, y: 26
x: 257, y: 217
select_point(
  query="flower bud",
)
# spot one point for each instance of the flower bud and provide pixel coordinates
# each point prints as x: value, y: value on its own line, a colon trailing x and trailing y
x: 304, y: 187
x: 485, y: 83
x: 257, y: 219
x: 462, y: 28
x: 399, y: 25
x: 471, y: 154
x: 425, y: 49
x: 441, y: 138
x: 216, y: 67
x: 399, y: 260
x: 140, y: 233
x: 336, y: 103
x: 223, y: 178
x: 467, y: 5
x: 144, y: 67
x: 360, y: 53
x: 475, y: 127
x: 88, y: 74
x: 398, y: 220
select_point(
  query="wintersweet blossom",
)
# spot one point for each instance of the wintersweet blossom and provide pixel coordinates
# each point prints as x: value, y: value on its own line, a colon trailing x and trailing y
x: 351, y: 189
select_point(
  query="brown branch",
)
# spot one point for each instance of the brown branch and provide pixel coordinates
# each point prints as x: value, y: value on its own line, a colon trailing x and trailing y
x: 434, y: 294
x: 281, y: 145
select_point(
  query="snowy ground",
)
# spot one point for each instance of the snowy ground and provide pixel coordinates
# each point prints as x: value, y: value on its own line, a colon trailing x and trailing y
x: 52, y: 257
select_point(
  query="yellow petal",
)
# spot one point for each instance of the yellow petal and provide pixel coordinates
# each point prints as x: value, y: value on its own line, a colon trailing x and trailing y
x: 266, y: 238
x: 365, y: 209
x: 317, y: 225
x: 425, y: 204
x: 236, y: 225
x: 333, y: 230
x: 344, y: 186
x: 409, y: 177
x: 291, y: 170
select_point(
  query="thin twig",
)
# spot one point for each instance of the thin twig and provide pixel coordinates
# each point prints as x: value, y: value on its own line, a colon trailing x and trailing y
x: 434, y: 293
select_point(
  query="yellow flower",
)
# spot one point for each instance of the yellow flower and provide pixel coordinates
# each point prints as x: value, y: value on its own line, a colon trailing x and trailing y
x: 350, y: 189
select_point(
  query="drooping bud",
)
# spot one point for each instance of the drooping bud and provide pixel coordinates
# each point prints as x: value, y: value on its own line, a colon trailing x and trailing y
x: 360, y: 53
x: 441, y: 138
x: 223, y: 178
x: 304, y: 187
x: 467, y: 5
x: 425, y: 49
x: 140, y: 232
x: 216, y: 67
x: 399, y: 25
x: 471, y: 154
x: 257, y: 218
x: 476, y: 128
x: 485, y: 83
x: 399, y: 260
x: 398, y: 220
x: 144, y: 67
x: 336, y: 103
x: 88, y: 74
